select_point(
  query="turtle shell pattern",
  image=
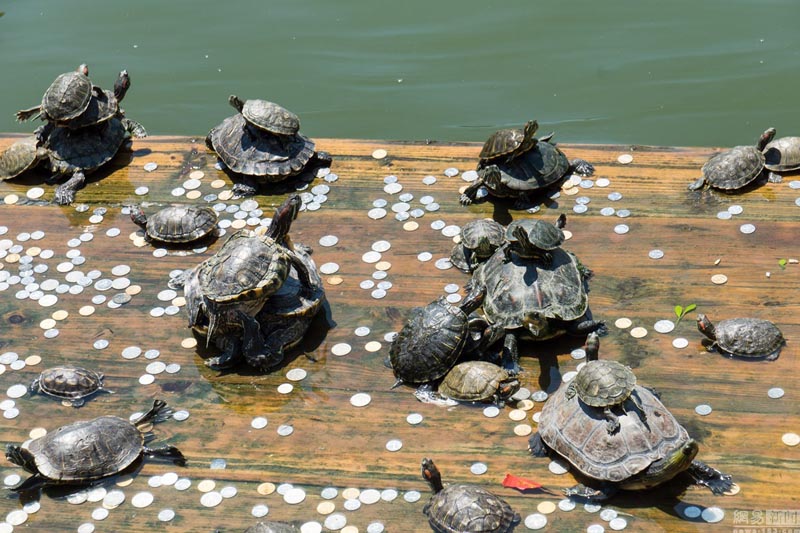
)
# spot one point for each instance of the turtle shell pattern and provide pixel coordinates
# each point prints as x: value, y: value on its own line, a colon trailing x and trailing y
x: 541, y: 234
x: 430, y: 342
x: 541, y: 166
x: 734, y: 168
x: 19, y: 157
x: 263, y: 155
x: 516, y: 286
x: 181, y: 224
x: 270, y: 117
x: 69, y: 382
x: 87, y: 148
x: 604, y: 383
x: 749, y: 337
x: 272, y: 527
x: 482, y: 236
x: 67, y: 97
x: 501, y: 143
x: 101, y: 107
x: 472, y: 381
x: 579, y: 434
x: 783, y: 154
x: 88, y: 449
x: 461, y: 508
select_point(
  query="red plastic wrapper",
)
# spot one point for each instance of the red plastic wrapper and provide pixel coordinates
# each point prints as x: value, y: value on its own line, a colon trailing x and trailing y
x: 520, y: 483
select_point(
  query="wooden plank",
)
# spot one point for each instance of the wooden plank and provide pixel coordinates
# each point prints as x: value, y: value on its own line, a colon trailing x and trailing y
x: 339, y: 445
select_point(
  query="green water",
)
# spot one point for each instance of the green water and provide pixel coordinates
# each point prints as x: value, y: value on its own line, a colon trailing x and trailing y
x: 676, y: 72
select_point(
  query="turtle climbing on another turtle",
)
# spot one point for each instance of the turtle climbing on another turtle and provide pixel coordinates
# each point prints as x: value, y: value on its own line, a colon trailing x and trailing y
x: 25, y: 154
x: 178, y: 224
x: 66, y: 98
x: 733, y: 169
x: 71, y: 384
x: 479, y: 240
x: 504, y: 145
x: 535, y: 239
x: 745, y: 338
x: 782, y: 155
x: 267, y: 116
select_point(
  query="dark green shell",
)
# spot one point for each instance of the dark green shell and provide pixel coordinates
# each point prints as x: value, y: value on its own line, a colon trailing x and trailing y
x: 68, y: 382
x: 734, y: 168
x: 749, y: 337
x: 783, y: 155
x: 482, y: 236
x: 541, y: 234
x: 67, y: 97
x: 181, y: 224
x: 87, y: 148
x: 473, y: 381
x: 468, y: 508
x: 535, y: 169
x: 272, y: 527
x: 101, y: 107
x: 19, y: 157
x: 271, y: 117
x: 604, y: 383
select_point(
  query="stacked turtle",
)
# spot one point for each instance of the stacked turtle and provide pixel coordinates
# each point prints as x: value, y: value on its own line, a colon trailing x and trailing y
x: 84, y: 129
x: 255, y: 297
x: 262, y: 143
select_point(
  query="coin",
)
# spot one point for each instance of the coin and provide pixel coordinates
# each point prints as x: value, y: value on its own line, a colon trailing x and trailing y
x: 211, y: 499
x: 294, y: 496
x: 703, y: 409
x: 265, y: 489
x: 680, y: 343
x: 618, y: 524
x: 546, y: 507
x: 360, y: 399
x: 719, y: 279
x: 394, y: 445
x: 625, y: 159
x: 775, y: 393
x: 142, y: 499
x: 664, y: 326
x: 558, y: 467
x: 380, y: 153
x: 747, y: 228
x: 638, y: 332
x: 791, y: 439
x: 478, y: 469
x: 491, y: 411
x: 522, y: 430
x: 341, y: 349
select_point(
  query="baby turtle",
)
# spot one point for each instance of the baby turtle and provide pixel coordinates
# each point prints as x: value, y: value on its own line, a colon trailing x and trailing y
x: 70, y: 384
x: 535, y: 239
x: 88, y: 450
x: 782, y: 155
x: 66, y: 98
x: 20, y: 157
x: 465, y: 508
x: 178, y: 224
x: 432, y: 340
x: 479, y: 240
x: 267, y: 116
x: 639, y: 456
x: 504, y: 145
x: 104, y: 105
x: 732, y: 169
x: 272, y: 527
x: 747, y: 338
x: 479, y: 381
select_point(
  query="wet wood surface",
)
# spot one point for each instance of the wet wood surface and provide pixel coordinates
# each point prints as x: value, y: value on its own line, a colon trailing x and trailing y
x: 339, y: 445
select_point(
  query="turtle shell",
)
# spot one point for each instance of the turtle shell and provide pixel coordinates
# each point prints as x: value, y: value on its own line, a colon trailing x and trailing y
x: 749, y: 337
x: 67, y: 97
x: 479, y: 238
x: 541, y: 234
x: 783, y: 155
x: 541, y: 166
x: 473, y: 381
x: 68, y: 382
x: 734, y: 168
x: 604, y: 383
x: 507, y: 142
x: 430, y: 342
x: 272, y: 527
x: 270, y: 117
x: 579, y: 433
x: 253, y: 153
x: 461, y: 508
x: 87, y: 148
x: 181, y: 224
x: 20, y: 157
x: 101, y: 107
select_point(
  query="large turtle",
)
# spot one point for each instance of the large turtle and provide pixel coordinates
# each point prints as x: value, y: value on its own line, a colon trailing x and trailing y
x: 479, y: 381
x: 535, y: 239
x: 465, y: 508
x: 20, y: 157
x: 178, y: 224
x: 782, y: 155
x: 529, y: 299
x: 77, y: 152
x: 73, y: 385
x: 66, y: 98
x: 527, y: 174
x: 746, y: 338
x: 732, y: 169
x: 88, y: 450
x: 645, y: 452
x: 479, y: 240
x: 506, y: 144
x: 267, y: 116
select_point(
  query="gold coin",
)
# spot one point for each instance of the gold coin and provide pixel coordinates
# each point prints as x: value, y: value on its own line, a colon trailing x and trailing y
x: 47, y: 323
x: 33, y: 251
x: 326, y: 507
x: 349, y: 529
x: 37, y: 433
x: 638, y: 332
x: 225, y: 195
x: 350, y: 493
x: 238, y: 223
x: 411, y: 225
x: 335, y: 280
x: 11, y: 199
x: 567, y: 234
x: 179, y: 301
x: 12, y: 258
x: 383, y: 265
x: 261, y: 230
x: 61, y: 314
x: 517, y: 415
x: 733, y: 490
x: 525, y: 405
x: 372, y: 346
x: 719, y: 279
x: 124, y: 481
x: 133, y: 290
x: 623, y: 323
x: 86, y: 310
x: 197, y: 175
x: 207, y: 485
x: 189, y: 342
x: 139, y: 242
x: 567, y: 185
x: 193, y: 195
x: 217, y: 184
x: 522, y: 430
x: 266, y: 488
x: 571, y: 192
x: 546, y: 507
x: 33, y: 360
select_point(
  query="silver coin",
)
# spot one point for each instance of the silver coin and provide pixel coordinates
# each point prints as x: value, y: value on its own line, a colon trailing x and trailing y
x: 159, y: 252
x: 385, y: 285
x: 48, y: 300
x: 376, y: 213
x: 623, y: 213
x: 5, y: 405
x: 569, y: 376
x: 86, y: 236
x: 352, y: 504
x: 17, y: 391
x: 433, y: 206
x: 392, y: 188
x: 142, y: 499
x: 580, y: 208
x: 51, y: 333
x: 173, y: 368
x: 451, y: 231
x: 371, y: 257
x: 621, y: 229
x: 360, y: 399
x: 121, y: 298
x: 775, y: 393
x: 131, y: 352
x: 539, y: 396
x: 747, y: 228
x: 335, y: 521
x: 328, y: 240
x: 375, y: 527
x: 260, y: 510
x: 412, y: 496
x: 438, y: 225
x: 150, y: 167
x: 120, y: 284
x: 103, y: 284
x: 703, y: 409
x: 578, y: 353
x: 362, y: 331
x: 329, y: 268
x: 86, y: 527
x: 100, y: 514
x: 566, y: 505
x: 655, y: 254
x: 607, y: 211
x: 618, y: 524
x: 367, y: 284
x: 469, y: 175
x: 157, y: 312
x: 154, y: 482
x: 19, y: 364
x: 595, y: 528
x: 443, y: 263
x: 141, y: 191
x: 155, y: 368
x: 379, y: 275
x: 381, y: 246
x: 453, y: 298
x: 416, y: 213
x: 401, y: 208
x: 608, y: 514
x: 535, y: 521
x: 735, y: 209
x: 712, y: 514
x: 794, y: 184
x: 664, y: 326
x: 414, y: 419
x: 402, y: 216
x: 451, y: 172
x: 394, y: 445
x: 724, y: 215
x: 680, y: 343
x: 388, y: 495
x: 558, y: 467
x: 228, y: 491
x: 424, y: 256
x: 100, y: 344
x: 11, y: 480
x: 429, y: 180
x: 478, y: 469
x: 211, y: 499
x: 284, y: 430
x: 491, y: 411
x: 583, y: 200
x: 378, y: 294
x: 590, y: 507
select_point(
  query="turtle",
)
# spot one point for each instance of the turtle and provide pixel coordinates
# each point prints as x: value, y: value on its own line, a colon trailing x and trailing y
x: 479, y: 381
x: 177, y: 224
x: 506, y: 144
x: 782, y: 155
x: 479, y: 240
x: 66, y: 98
x: 465, y: 508
x: 526, y: 174
x: 604, y: 384
x: 746, y: 338
x: 267, y: 116
x: 644, y: 453
x: 431, y: 341
x: 529, y: 299
x: 20, y: 157
x: 272, y: 527
x: 78, y: 152
x: 534, y: 239
x: 104, y: 105
x: 88, y: 450
x: 733, y: 169
x: 70, y: 384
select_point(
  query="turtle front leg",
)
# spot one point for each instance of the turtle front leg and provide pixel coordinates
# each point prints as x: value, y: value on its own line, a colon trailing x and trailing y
x: 536, y: 446
x: 585, y: 326
x: 230, y: 356
x: 170, y: 453
x: 581, y: 166
x: 470, y: 194
x: 511, y: 354
x: 65, y: 193
x: 612, y: 421
x: 302, y: 273
x: 774, y: 177
x: 712, y: 478
x: 26, y: 114
x: 601, y: 493
x: 698, y: 184
x: 244, y: 186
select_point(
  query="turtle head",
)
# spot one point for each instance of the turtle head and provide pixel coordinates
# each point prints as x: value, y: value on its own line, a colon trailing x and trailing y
x: 766, y: 138
x: 236, y: 102
x: 536, y: 323
x: 283, y: 217
x: 22, y: 457
x: 705, y: 327
x: 137, y: 216
x: 529, y: 139
x: 122, y: 84
x: 674, y: 464
x: 432, y: 475
x: 491, y: 177
x: 592, y: 346
x: 83, y: 68
x: 508, y: 388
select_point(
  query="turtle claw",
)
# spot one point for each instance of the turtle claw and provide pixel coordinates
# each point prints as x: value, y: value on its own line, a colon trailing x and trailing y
x: 582, y: 167
x: 772, y: 177
x: 241, y: 190
x: 704, y: 475
x: 465, y: 200
x: 582, y: 491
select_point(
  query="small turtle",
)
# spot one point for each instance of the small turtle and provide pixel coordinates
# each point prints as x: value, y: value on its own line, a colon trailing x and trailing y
x: 267, y: 116
x: 20, y: 157
x: 732, y: 169
x: 479, y: 381
x: 504, y: 145
x: 782, y: 155
x: 747, y: 338
x: 526, y: 174
x: 272, y: 527
x: 465, y: 508
x: 432, y: 340
x: 641, y: 455
x: 104, y: 105
x: 535, y: 239
x: 479, y: 240
x: 66, y: 98
x: 88, y: 450
x: 604, y: 384
x: 176, y: 224
x: 70, y: 384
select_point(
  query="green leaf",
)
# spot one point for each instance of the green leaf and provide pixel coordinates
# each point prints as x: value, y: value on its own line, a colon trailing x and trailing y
x: 689, y: 308
x: 678, y: 311
x: 782, y: 263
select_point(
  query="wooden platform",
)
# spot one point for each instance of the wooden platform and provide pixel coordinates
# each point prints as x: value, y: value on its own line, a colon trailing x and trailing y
x: 337, y: 444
